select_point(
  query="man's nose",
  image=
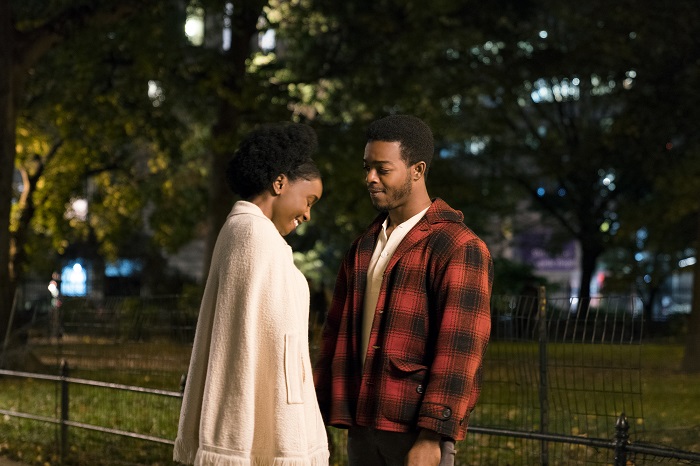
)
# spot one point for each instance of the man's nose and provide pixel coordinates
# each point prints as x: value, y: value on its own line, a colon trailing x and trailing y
x: 371, y: 176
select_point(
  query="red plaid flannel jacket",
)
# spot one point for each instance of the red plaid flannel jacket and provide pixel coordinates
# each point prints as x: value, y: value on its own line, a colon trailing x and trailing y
x: 430, y: 331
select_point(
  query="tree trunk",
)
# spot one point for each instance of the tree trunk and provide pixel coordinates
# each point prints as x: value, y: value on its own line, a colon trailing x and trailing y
x: 7, y: 162
x: 225, y: 133
x: 649, y: 328
x: 220, y: 196
x: 589, y: 258
x: 691, y: 357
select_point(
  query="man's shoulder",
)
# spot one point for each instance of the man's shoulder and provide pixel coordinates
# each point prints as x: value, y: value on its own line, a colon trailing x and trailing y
x: 452, y: 239
x: 444, y: 219
x: 456, y: 233
x: 441, y: 212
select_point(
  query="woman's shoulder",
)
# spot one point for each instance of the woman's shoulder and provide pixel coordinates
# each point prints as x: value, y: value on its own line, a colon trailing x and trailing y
x: 251, y: 228
x: 246, y: 241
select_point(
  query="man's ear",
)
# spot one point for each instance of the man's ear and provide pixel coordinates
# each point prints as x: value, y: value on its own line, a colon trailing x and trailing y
x: 279, y: 183
x: 418, y: 171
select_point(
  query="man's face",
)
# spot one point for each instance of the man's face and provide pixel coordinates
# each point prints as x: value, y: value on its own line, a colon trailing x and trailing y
x: 388, y: 177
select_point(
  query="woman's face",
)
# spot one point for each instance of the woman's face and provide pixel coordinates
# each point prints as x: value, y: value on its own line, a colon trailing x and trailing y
x: 293, y: 203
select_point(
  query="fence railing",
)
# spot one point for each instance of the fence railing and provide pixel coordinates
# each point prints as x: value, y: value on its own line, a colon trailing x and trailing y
x: 64, y: 421
x: 559, y: 374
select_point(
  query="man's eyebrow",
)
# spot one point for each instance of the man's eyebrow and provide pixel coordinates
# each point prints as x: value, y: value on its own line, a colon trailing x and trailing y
x: 378, y: 162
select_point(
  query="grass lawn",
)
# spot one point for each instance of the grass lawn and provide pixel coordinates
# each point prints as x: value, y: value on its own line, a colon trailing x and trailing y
x: 671, y: 398
x: 664, y: 403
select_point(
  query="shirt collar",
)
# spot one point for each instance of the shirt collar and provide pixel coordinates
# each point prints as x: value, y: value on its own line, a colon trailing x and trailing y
x: 407, y: 224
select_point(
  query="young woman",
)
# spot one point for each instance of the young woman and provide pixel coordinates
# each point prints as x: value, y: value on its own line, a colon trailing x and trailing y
x: 249, y: 397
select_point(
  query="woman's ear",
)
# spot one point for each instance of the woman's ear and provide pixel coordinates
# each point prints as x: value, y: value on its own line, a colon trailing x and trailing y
x: 279, y: 183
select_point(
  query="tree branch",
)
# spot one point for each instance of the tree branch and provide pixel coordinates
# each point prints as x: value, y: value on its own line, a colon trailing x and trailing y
x: 32, y: 44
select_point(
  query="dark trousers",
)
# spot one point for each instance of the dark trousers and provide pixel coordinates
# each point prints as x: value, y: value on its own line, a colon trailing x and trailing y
x: 372, y: 447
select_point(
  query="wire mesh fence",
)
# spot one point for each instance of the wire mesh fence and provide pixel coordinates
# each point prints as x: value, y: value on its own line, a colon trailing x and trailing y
x: 557, y: 376
x: 557, y: 367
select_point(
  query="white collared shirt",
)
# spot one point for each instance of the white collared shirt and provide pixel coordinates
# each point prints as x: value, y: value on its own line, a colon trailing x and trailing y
x: 383, y: 250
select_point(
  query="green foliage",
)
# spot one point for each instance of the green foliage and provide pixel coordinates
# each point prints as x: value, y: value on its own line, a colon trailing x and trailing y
x: 521, y: 96
x: 513, y: 278
x: 122, y: 140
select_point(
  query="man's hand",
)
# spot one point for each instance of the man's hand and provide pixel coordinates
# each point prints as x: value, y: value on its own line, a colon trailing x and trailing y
x: 426, y: 450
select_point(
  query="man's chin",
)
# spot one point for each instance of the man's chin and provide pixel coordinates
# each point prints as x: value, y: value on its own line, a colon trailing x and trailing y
x: 383, y: 208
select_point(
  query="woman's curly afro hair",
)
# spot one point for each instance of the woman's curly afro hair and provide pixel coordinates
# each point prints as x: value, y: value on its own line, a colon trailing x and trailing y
x: 269, y: 151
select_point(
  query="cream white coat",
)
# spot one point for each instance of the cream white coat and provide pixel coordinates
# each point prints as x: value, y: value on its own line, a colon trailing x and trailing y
x: 249, y: 397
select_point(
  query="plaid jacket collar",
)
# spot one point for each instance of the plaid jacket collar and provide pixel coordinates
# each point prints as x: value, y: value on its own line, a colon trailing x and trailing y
x: 438, y: 212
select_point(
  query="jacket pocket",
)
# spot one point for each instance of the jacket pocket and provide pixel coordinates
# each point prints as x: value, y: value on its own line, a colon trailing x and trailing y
x: 293, y: 368
x: 404, y: 388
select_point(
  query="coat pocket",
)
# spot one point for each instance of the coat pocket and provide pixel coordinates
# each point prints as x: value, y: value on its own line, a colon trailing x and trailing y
x: 405, y: 385
x: 293, y: 368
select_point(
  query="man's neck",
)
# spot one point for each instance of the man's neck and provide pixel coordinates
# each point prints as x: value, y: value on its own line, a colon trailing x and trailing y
x: 401, y: 214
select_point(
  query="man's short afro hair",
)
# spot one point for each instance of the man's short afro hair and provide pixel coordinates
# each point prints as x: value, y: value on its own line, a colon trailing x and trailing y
x: 271, y: 150
x: 411, y: 132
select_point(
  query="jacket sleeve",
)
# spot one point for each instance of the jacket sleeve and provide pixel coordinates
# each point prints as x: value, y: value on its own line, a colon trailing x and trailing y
x: 462, y: 285
x: 323, y: 366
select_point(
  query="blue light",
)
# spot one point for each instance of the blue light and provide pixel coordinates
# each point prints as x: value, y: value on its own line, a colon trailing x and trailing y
x: 123, y: 268
x: 540, y: 191
x: 74, y: 280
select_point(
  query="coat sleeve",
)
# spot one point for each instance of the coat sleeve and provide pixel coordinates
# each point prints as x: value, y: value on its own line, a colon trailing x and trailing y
x: 323, y: 374
x: 463, y: 289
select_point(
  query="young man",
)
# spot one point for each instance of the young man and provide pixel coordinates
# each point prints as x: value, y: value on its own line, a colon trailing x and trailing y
x: 403, y: 342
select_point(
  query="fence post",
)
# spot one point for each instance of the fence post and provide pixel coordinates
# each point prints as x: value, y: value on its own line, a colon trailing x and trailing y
x: 622, y: 436
x: 64, y: 408
x: 544, y: 399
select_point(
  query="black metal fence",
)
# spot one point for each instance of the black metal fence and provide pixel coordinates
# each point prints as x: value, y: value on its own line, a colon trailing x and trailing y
x: 67, y: 419
x: 563, y: 384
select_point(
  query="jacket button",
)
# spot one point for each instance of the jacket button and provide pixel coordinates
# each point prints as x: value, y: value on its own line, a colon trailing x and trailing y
x: 419, y: 389
x: 446, y: 413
